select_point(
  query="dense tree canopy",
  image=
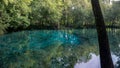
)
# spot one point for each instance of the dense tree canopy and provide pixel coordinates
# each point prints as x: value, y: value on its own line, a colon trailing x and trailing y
x: 64, y: 13
x: 46, y: 11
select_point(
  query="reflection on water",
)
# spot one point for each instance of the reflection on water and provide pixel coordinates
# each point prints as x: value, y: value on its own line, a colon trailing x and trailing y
x: 55, y: 49
x: 94, y: 62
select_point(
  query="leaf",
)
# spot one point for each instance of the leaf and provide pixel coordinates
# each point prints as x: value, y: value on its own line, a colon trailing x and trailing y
x: 6, y: 2
x: 11, y: 1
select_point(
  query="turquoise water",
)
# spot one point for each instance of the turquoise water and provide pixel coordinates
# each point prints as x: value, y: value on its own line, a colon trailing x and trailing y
x: 55, y: 49
x: 42, y: 39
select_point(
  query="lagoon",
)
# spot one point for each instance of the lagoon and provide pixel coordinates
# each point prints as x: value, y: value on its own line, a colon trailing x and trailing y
x: 56, y: 49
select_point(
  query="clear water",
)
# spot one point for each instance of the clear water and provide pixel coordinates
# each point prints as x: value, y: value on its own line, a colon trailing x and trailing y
x: 55, y: 49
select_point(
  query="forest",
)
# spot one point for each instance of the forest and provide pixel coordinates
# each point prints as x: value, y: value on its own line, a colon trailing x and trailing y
x: 16, y: 15
x: 59, y: 33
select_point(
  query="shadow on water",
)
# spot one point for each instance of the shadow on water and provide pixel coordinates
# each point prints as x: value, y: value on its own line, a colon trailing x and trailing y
x: 55, y: 49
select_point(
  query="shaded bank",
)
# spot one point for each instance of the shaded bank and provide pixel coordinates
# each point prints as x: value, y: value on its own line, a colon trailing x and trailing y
x: 43, y: 27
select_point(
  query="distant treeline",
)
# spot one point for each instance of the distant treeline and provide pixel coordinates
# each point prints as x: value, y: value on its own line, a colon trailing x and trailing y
x: 54, y: 14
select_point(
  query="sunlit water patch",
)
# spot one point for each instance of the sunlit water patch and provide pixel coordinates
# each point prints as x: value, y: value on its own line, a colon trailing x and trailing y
x: 41, y: 39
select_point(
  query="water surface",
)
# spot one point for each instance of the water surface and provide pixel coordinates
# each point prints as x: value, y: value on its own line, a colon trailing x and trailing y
x: 55, y: 49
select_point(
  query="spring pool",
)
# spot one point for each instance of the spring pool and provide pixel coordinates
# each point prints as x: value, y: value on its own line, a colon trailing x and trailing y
x: 55, y: 49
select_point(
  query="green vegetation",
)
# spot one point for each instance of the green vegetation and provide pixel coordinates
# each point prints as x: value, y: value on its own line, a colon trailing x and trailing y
x: 23, y: 14
x: 16, y: 15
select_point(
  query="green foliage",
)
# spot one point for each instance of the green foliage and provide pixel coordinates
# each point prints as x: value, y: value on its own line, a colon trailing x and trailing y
x: 64, y: 13
x: 2, y: 28
x: 46, y: 11
x: 15, y: 12
x: 111, y: 13
x: 114, y: 15
x: 78, y: 13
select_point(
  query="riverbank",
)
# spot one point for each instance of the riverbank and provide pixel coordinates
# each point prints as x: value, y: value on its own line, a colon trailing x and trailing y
x: 43, y: 27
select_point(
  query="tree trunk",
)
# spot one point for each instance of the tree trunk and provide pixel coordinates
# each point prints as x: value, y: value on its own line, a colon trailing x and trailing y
x: 58, y: 25
x: 104, y: 49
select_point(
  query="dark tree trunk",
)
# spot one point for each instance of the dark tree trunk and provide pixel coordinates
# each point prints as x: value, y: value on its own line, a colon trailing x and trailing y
x: 64, y: 14
x: 105, y: 55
